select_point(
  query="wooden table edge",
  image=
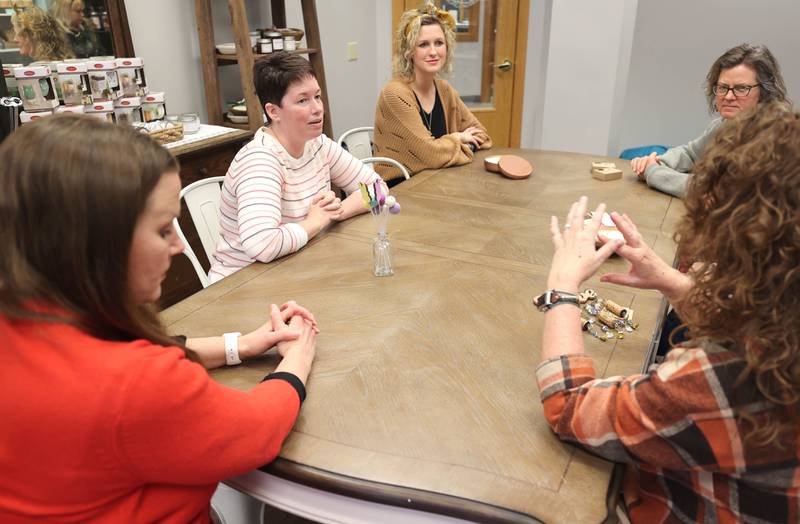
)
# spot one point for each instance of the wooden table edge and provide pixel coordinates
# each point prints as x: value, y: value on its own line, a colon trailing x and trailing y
x: 393, y: 495
x: 214, y: 141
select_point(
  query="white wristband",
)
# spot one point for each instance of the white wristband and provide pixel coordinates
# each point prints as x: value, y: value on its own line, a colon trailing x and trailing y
x: 232, y: 348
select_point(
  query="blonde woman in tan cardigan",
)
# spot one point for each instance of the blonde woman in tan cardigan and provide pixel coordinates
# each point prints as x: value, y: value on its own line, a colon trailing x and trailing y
x: 420, y: 120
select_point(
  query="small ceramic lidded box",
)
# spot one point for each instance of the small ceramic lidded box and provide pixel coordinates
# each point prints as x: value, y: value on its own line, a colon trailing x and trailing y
x: 102, y: 110
x: 128, y: 110
x: 154, y: 107
x: 74, y: 80
x: 36, y: 88
x: 103, y: 80
x: 132, y: 81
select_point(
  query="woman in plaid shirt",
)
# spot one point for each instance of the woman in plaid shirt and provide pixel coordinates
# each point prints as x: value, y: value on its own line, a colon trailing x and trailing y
x: 711, y: 434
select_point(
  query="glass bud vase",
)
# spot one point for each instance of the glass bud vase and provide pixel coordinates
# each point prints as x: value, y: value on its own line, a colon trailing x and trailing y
x: 382, y: 256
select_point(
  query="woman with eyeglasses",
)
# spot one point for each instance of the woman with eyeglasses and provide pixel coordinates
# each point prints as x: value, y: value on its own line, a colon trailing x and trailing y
x: 742, y: 77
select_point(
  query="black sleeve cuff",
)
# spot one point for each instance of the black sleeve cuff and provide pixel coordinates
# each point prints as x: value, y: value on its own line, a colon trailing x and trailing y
x: 292, y: 379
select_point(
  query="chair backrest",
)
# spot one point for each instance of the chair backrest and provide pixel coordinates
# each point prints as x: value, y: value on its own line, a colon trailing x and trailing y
x: 630, y: 154
x: 202, y: 200
x: 189, y: 252
x: 387, y: 160
x: 358, y: 141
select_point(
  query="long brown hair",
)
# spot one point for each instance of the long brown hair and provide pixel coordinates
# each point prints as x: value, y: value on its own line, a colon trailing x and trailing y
x: 73, y: 189
x: 742, y: 224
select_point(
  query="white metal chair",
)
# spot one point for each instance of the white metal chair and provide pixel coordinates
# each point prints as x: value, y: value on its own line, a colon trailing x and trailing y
x: 202, y: 199
x: 358, y: 141
x: 387, y: 160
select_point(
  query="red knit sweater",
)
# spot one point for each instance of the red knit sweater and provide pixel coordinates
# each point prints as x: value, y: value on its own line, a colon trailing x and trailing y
x: 98, y: 431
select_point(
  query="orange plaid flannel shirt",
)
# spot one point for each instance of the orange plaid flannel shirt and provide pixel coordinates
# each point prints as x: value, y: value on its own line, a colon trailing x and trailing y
x: 676, y: 428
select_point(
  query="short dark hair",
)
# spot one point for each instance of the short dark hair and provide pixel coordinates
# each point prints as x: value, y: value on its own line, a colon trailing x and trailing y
x: 761, y: 60
x: 274, y: 74
x: 73, y: 190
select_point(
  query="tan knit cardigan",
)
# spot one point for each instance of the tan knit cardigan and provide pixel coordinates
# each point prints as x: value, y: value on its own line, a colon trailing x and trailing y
x: 400, y: 133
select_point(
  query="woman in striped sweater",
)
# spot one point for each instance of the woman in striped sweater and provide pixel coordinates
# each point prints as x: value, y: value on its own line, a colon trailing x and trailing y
x: 277, y: 192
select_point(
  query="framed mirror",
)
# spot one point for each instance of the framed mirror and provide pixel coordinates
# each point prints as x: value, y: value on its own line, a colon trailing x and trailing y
x: 91, y: 27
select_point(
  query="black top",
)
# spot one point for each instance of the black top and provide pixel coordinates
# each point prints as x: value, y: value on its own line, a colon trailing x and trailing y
x: 434, y: 121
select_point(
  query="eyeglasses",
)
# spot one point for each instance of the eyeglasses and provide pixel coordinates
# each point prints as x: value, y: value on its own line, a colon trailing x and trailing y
x: 740, y: 90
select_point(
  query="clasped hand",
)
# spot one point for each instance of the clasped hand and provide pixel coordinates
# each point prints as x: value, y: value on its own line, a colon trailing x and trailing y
x: 640, y: 164
x: 472, y: 135
x: 325, y: 207
x: 290, y: 322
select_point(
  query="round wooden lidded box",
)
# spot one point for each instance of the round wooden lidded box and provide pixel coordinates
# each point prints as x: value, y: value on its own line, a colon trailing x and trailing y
x: 510, y: 166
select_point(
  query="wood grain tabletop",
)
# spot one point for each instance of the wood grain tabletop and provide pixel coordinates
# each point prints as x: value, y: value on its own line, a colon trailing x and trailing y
x: 423, y: 392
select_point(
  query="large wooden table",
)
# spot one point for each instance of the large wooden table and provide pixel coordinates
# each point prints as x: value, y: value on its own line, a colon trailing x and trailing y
x: 423, y: 394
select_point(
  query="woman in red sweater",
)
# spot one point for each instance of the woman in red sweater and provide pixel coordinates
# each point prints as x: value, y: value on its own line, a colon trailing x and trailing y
x: 105, y: 417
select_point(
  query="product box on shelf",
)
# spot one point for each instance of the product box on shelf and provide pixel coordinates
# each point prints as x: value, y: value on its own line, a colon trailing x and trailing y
x: 73, y: 77
x: 27, y: 117
x: 36, y: 88
x: 102, y: 110
x: 128, y: 110
x: 154, y: 107
x: 132, y: 81
x: 70, y: 109
x: 11, y: 82
x: 103, y: 80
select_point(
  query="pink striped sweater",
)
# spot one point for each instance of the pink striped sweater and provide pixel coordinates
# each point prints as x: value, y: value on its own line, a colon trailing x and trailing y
x: 267, y: 191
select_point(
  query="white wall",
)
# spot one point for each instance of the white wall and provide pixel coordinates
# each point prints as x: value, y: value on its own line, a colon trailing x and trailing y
x: 600, y: 77
x: 384, y: 34
x: 535, y: 73
x: 351, y: 84
x: 676, y: 42
x: 583, y: 63
x: 165, y: 35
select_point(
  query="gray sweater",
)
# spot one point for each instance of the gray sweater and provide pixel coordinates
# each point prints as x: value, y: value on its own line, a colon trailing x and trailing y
x: 672, y: 175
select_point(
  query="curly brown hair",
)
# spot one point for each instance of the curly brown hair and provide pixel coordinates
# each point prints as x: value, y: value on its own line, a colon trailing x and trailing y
x: 44, y: 31
x: 742, y: 224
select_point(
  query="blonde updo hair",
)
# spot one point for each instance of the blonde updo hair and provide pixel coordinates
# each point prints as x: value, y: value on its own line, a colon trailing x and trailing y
x: 405, y: 38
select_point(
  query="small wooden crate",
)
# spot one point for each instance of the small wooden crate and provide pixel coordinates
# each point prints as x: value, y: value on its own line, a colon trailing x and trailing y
x: 167, y: 135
